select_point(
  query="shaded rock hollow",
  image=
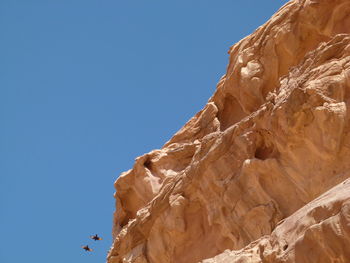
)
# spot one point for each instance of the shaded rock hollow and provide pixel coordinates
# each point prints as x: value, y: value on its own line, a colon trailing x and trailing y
x: 246, y: 179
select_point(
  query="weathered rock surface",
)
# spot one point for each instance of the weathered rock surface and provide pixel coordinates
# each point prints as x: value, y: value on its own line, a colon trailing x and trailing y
x: 318, y: 232
x: 273, y: 138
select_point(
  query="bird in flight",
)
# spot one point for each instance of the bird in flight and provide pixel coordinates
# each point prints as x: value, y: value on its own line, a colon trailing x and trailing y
x: 96, y: 237
x: 87, y: 248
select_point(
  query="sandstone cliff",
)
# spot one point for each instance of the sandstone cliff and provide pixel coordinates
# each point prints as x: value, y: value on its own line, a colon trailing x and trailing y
x: 246, y: 179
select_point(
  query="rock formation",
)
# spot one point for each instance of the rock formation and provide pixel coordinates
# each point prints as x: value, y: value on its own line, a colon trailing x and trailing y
x: 248, y: 178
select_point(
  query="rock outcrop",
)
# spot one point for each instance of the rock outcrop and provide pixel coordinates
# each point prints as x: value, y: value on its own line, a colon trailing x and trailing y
x: 318, y: 232
x: 246, y: 179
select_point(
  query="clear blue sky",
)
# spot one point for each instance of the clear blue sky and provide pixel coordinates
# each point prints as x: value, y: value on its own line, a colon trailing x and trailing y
x: 86, y: 86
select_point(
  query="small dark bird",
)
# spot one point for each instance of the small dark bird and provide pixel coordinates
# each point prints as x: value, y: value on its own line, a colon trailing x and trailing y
x: 86, y: 248
x: 96, y: 237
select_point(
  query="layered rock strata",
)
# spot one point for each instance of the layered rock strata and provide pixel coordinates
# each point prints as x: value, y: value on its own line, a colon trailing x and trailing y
x: 273, y: 137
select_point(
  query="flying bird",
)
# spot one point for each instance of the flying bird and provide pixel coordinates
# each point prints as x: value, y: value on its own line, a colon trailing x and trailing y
x: 87, y: 248
x: 96, y: 237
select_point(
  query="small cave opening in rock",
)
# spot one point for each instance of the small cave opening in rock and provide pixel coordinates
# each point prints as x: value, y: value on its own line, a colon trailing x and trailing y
x: 231, y: 113
x: 264, y: 152
x: 285, y: 247
x: 148, y: 164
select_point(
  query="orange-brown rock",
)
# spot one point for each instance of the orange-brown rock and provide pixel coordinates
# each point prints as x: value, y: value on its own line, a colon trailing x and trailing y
x: 273, y: 138
x: 318, y: 232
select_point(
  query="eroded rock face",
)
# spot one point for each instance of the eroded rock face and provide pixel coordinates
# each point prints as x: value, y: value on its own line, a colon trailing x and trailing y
x: 318, y: 232
x: 273, y: 137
